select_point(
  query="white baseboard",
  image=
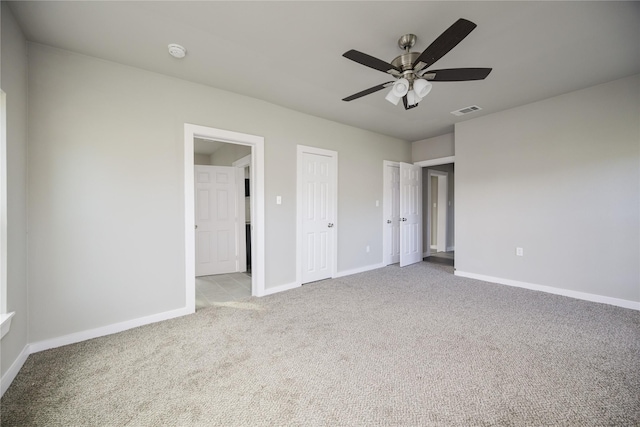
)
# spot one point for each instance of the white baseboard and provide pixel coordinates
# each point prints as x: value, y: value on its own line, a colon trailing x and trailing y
x: 634, y: 305
x: 106, y: 330
x: 358, y: 270
x: 13, y: 370
x: 451, y: 248
x: 281, y: 288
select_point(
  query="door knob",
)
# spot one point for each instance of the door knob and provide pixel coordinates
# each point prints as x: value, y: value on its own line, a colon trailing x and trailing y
x: 388, y: 221
x: 330, y: 225
x: 196, y: 226
x: 404, y: 219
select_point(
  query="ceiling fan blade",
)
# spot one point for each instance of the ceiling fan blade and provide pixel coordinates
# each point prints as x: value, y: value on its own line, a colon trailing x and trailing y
x: 367, y: 91
x: 371, y: 62
x: 443, y: 44
x: 457, y: 74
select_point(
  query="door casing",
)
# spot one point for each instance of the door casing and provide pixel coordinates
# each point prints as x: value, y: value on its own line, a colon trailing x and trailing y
x: 391, y: 209
x: 256, y: 143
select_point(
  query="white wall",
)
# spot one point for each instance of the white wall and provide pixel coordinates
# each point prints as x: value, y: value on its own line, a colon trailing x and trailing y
x: 107, y: 218
x: 13, y: 80
x: 433, y: 148
x: 561, y: 179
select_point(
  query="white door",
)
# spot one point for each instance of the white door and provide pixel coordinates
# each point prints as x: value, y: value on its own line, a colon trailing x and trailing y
x: 216, y: 212
x: 317, y: 180
x: 410, y: 214
x: 391, y: 203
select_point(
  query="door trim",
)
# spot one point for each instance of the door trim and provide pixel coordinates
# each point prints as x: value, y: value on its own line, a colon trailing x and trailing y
x: 299, y: 208
x: 256, y: 143
x: 386, y: 202
x: 240, y: 165
x: 436, y: 162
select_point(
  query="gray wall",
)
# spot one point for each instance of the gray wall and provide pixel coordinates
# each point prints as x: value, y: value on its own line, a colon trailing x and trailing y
x: 229, y: 153
x: 107, y: 217
x: 433, y: 148
x: 202, y: 159
x: 13, y: 80
x: 561, y: 179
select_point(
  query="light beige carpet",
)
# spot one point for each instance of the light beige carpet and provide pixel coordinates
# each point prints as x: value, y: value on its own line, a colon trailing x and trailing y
x: 415, y: 346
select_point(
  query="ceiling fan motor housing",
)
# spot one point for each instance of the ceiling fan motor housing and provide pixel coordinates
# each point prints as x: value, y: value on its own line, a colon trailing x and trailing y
x: 407, y: 41
x: 404, y: 62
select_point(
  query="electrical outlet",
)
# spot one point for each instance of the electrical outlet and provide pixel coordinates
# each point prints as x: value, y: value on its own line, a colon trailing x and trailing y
x: 519, y: 252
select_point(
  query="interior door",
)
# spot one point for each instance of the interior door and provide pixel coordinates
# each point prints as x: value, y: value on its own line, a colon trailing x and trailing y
x: 391, y: 213
x: 410, y: 214
x: 318, y: 175
x: 216, y: 214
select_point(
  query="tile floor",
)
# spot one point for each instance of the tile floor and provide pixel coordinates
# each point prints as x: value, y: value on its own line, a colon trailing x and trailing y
x: 222, y: 288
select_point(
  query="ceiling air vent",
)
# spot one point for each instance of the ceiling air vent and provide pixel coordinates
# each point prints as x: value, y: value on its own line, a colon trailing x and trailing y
x: 466, y: 110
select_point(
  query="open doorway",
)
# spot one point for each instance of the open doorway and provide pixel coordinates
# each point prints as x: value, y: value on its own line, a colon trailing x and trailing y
x: 439, y: 218
x: 222, y: 222
x: 403, y: 213
x: 235, y: 142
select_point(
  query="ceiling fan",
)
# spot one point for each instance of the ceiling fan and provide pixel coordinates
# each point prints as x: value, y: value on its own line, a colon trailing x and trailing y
x: 413, y: 80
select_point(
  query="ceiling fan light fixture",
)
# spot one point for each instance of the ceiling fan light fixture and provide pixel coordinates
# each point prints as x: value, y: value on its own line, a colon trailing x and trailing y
x: 422, y: 87
x: 413, y: 98
x: 400, y: 87
x: 392, y: 98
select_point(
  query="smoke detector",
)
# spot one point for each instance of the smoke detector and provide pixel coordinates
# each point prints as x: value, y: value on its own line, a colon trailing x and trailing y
x: 177, y: 51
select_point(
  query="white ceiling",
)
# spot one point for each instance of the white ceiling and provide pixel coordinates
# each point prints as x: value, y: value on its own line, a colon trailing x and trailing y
x: 290, y: 53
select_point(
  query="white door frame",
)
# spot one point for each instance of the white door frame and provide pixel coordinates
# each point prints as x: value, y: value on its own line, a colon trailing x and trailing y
x: 443, y: 187
x: 387, y: 200
x: 257, y: 205
x: 299, y: 208
x: 241, y: 164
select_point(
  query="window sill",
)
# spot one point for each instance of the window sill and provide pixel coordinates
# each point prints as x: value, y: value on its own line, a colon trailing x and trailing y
x: 5, y: 323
